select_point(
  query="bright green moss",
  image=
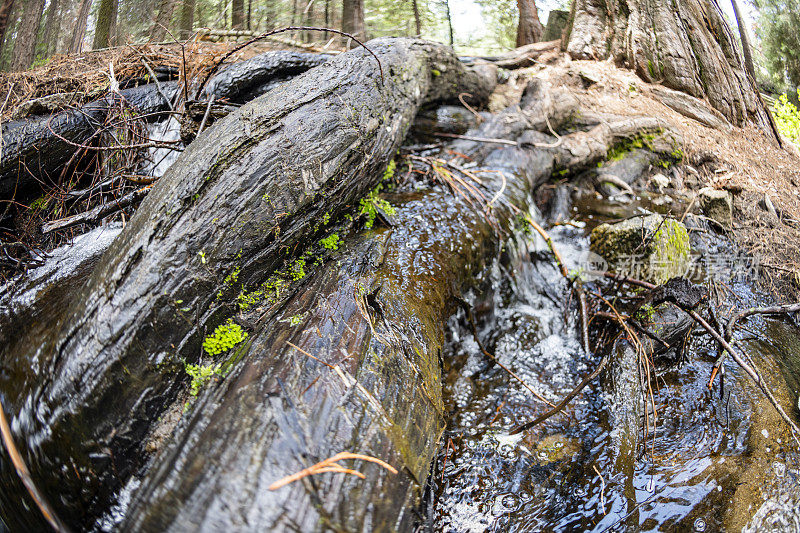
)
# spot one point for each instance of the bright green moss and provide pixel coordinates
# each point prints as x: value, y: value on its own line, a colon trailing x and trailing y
x: 200, y: 375
x: 225, y: 337
x: 331, y: 242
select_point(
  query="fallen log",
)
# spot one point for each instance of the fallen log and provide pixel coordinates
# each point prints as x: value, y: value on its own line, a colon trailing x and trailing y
x: 35, y: 150
x: 524, y: 56
x: 238, y: 203
x: 349, y: 364
x: 238, y: 81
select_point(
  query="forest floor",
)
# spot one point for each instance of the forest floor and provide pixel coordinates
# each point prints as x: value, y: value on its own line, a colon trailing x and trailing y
x: 741, y: 160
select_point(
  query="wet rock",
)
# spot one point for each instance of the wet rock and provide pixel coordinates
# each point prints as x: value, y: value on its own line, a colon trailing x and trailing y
x: 45, y: 105
x: 444, y: 119
x: 646, y: 247
x: 627, y: 168
x: 660, y: 181
x: 717, y: 205
x: 555, y: 448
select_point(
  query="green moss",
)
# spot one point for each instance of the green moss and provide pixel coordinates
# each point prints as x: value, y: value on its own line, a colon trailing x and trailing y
x: 371, y: 204
x: 645, y: 314
x: 200, y: 375
x: 326, y: 218
x: 331, y: 242
x: 225, y: 337
x: 296, y: 319
x: 389, y: 172
x: 298, y: 269
x: 435, y: 72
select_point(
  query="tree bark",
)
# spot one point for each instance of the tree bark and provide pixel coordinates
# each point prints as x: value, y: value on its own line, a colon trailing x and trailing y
x: 417, y: 20
x: 529, y: 29
x: 449, y: 20
x: 106, y: 15
x: 746, y: 50
x: 52, y: 22
x: 79, y: 31
x: 237, y: 14
x: 5, y: 11
x: 25, y: 40
x: 685, y: 45
x: 255, y: 178
x: 186, y: 24
x: 162, y: 21
x: 353, y: 18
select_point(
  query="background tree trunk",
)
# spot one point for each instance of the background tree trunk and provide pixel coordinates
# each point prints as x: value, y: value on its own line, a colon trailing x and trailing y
x: 25, y: 41
x: 187, y: 18
x: 746, y: 51
x: 685, y: 45
x: 449, y: 20
x: 353, y: 18
x: 159, y: 30
x: 529, y: 29
x: 237, y: 14
x: 5, y: 11
x: 80, y: 27
x: 105, y: 22
x: 417, y: 21
x: 51, y: 24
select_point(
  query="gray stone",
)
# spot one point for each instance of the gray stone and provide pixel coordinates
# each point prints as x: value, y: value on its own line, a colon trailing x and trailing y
x: 660, y: 181
x: 647, y: 247
x: 717, y: 205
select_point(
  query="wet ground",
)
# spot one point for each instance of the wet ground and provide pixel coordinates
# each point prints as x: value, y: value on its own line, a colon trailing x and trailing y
x: 703, y: 466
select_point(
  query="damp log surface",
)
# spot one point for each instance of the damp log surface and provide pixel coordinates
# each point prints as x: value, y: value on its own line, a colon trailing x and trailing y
x: 243, y: 196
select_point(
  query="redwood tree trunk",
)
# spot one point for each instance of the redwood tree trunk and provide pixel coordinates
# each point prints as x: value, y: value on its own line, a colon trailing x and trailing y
x: 353, y: 18
x: 237, y: 14
x: 159, y: 31
x: 5, y: 11
x: 684, y: 44
x: 25, y: 41
x: 187, y: 18
x: 748, y: 56
x: 80, y: 27
x: 105, y: 21
x: 530, y: 29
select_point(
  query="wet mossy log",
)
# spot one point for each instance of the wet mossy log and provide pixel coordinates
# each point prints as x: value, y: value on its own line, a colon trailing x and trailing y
x: 349, y: 364
x: 243, y: 197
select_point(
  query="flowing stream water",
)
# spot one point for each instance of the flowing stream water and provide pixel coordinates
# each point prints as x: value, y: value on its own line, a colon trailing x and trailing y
x: 702, y: 468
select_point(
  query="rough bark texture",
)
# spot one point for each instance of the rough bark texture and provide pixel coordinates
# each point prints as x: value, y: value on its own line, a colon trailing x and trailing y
x: 529, y: 29
x: 52, y: 22
x: 33, y: 156
x: 25, y: 40
x: 243, y: 196
x: 106, y: 14
x: 556, y: 24
x: 746, y: 50
x: 686, y: 45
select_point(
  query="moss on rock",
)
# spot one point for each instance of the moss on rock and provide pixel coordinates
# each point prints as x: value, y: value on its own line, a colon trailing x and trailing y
x: 649, y: 247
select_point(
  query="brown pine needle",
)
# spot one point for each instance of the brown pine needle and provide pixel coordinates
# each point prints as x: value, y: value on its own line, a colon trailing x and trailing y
x: 331, y: 465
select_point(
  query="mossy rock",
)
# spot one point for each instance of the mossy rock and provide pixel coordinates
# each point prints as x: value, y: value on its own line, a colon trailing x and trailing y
x: 717, y: 205
x: 648, y: 247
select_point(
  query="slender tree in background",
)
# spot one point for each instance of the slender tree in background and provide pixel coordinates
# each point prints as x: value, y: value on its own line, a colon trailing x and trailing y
x: 417, y: 20
x: 5, y: 11
x: 237, y: 14
x: 106, y: 18
x: 187, y: 18
x: 746, y: 50
x: 80, y: 26
x: 160, y: 25
x: 529, y: 29
x: 25, y: 41
x: 353, y: 18
x: 51, y: 23
x: 449, y: 20
x: 778, y: 23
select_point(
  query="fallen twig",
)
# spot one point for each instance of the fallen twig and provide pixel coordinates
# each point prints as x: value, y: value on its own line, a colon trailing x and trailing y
x: 476, y: 139
x: 331, y: 465
x: 96, y: 214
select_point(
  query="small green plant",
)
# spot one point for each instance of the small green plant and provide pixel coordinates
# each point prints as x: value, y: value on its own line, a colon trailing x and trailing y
x: 326, y: 218
x: 787, y: 118
x: 225, y: 337
x: 296, y: 319
x: 389, y: 172
x: 200, y: 375
x: 371, y: 204
x: 298, y: 270
x: 331, y: 242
